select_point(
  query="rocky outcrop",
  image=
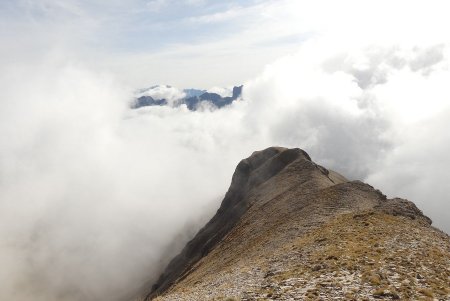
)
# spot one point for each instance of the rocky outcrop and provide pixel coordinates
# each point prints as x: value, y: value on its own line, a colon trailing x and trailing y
x: 237, y: 91
x: 403, y: 207
x: 286, y: 219
x: 145, y: 101
x: 249, y: 174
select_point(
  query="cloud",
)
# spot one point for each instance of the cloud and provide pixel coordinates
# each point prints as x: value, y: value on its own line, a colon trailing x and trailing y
x: 171, y: 94
x: 417, y: 168
x: 156, y: 5
x: 222, y: 91
x: 227, y: 15
x: 352, y: 109
x: 195, y: 2
x: 92, y: 196
x: 366, y: 112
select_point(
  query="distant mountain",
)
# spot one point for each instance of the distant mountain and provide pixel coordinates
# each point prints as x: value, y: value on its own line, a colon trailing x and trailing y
x: 290, y: 229
x: 145, y: 101
x: 164, y: 95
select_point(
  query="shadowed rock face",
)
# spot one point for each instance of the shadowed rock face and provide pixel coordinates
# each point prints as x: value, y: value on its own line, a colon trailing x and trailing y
x: 275, y: 195
x: 249, y: 174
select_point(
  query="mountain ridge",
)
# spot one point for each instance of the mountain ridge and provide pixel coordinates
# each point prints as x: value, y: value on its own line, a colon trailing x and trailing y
x: 278, y: 196
x: 165, y: 95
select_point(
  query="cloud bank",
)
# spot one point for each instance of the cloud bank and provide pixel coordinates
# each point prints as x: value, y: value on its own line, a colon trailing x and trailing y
x: 91, y: 198
x: 377, y: 113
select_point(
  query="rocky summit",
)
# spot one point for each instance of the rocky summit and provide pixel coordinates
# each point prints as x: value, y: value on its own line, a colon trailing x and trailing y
x: 290, y: 229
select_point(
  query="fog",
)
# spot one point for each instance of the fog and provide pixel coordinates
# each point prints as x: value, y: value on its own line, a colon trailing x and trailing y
x: 90, y: 197
x: 95, y: 197
x: 377, y: 113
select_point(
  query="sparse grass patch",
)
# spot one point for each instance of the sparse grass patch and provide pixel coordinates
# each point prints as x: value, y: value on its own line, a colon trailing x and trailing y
x: 426, y: 292
x: 357, y: 261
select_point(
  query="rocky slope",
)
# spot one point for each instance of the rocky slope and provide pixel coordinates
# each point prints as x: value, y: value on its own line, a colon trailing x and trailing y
x: 289, y: 229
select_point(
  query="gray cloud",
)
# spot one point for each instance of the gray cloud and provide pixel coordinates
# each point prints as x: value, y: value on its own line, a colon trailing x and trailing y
x: 425, y: 59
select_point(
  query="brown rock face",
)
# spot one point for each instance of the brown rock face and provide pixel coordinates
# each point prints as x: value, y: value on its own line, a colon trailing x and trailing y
x: 286, y: 219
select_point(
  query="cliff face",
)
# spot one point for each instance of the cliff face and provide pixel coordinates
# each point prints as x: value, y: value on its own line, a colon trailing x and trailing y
x: 289, y: 229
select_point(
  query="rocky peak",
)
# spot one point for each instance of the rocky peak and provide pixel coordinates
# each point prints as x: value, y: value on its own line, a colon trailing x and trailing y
x: 237, y: 91
x: 258, y: 168
x: 249, y: 174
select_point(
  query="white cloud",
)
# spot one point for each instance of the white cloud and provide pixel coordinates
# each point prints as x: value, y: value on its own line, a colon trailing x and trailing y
x: 227, y: 15
x: 196, y: 2
x: 87, y: 190
x: 222, y: 91
x: 171, y: 94
x: 364, y: 114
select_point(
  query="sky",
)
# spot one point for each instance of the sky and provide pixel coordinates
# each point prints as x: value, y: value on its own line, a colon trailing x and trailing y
x: 182, y: 43
x: 95, y: 197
